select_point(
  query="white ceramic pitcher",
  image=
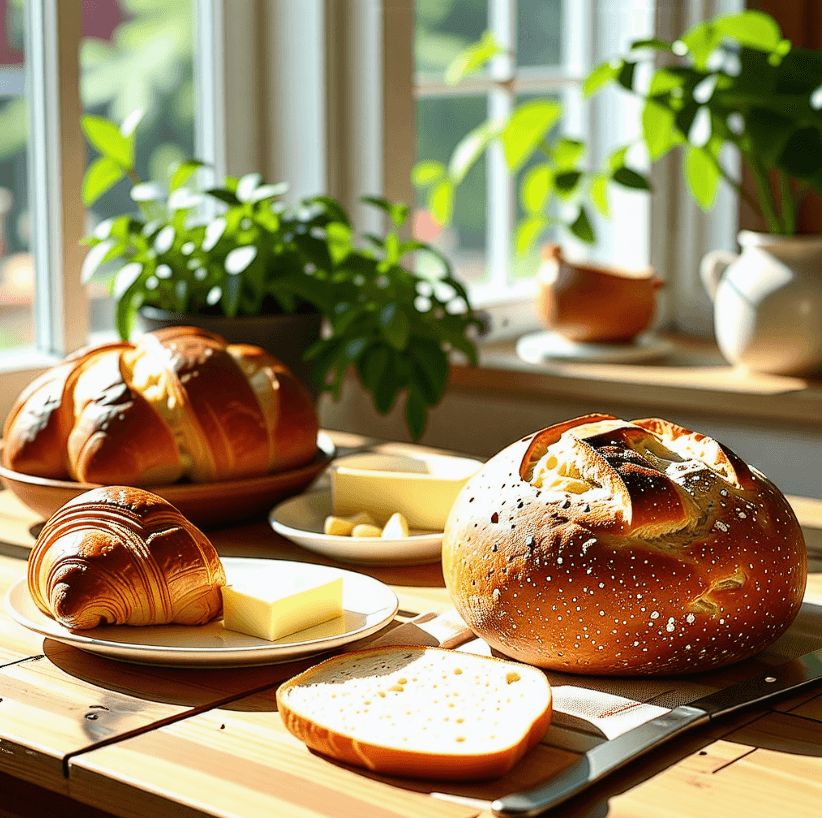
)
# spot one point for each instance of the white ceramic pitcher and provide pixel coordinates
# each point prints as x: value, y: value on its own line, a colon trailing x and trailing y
x: 768, y: 302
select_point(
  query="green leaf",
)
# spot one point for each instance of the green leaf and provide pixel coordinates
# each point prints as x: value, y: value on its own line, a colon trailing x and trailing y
x: 468, y: 150
x: 802, y: 154
x: 581, y: 227
x: 702, y: 176
x: 395, y: 326
x: 617, y: 158
x: 536, y: 188
x: 630, y: 179
x: 527, y: 126
x: 567, y: 152
x: 441, y: 201
x: 338, y: 237
x: 373, y: 367
x: 599, y: 194
x: 528, y: 231
x: 214, y: 230
x: 752, y: 29
x: 230, y: 299
x: 566, y: 182
x: 97, y: 256
x: 398, y: 213
x: 101, y: 176
x: 601, y: 75
x: 149, y: 192
x: 653, y: 42
x: 106, y: 138
x: 768, y: 131
x: 224, y: 196
x: 430, y: 368
x: 126, y: 277
x: 472, y: 58
x: 132, y: 122
x: 427, y: 172
x: 415, y: 414
x: 247, y: 185
x: 700, y: 41
x: 625, y: 75
x: 183, y: 173
x: 239, y: 259
x: 268, y: 192
x: 658, y: 129
x: 668, y: 79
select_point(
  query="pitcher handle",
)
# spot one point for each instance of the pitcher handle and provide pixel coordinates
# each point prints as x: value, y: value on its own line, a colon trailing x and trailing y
x: 712, y: 267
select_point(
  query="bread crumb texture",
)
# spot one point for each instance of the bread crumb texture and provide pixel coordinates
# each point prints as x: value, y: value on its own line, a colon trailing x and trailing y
x: 423, y: 706
x: 603, y: 546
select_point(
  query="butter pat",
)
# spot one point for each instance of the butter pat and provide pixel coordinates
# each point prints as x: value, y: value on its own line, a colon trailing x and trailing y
x: 422, y: 489
x: 271, y: 611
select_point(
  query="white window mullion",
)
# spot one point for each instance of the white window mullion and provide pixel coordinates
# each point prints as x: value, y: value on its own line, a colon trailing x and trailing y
x: 57, y: 161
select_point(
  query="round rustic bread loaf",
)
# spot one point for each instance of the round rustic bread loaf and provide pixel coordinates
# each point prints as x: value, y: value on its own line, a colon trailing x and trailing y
x: 607, y: 547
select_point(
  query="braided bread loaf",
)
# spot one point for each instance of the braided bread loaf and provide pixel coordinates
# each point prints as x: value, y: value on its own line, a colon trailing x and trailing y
x: 601, y: 546
x: 181, y: 402
x: 124, y: 556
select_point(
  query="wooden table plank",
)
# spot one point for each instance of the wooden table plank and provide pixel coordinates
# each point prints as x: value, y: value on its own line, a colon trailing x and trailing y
x: 251, y: 766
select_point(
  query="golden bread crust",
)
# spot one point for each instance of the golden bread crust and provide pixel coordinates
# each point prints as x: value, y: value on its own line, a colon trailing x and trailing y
x: 123, y: 556
x: 181, y: 402
x: 630, y: 554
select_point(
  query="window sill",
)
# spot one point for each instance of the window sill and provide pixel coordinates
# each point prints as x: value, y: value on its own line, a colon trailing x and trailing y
x: 692, y: 378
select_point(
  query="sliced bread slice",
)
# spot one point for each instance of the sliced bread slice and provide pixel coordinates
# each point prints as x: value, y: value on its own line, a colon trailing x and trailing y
x: 419, y: 711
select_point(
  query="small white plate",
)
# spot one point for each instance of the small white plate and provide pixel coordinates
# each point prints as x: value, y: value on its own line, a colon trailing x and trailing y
x: 541, y: 347
x: 300, y: 519
x: 368, y: 605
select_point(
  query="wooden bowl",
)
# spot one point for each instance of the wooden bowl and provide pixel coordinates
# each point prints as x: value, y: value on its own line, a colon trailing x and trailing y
x: 205, y: 504
x: 592, y: 304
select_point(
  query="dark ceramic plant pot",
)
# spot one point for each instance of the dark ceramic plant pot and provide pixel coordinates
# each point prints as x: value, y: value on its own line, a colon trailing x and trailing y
x: 287, y: 337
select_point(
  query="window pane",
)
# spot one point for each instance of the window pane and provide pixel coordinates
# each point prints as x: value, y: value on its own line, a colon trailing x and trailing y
x: 138, y: 56
x: 539, y: 32
x: 444, y: 28
x: 441, y: 123
x: 16, y: 264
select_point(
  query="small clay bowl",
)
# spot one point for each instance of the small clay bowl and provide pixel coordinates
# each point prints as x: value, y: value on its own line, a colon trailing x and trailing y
x: 590, y: 303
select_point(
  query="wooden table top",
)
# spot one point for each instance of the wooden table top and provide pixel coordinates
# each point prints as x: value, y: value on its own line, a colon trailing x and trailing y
x: 85, y: 735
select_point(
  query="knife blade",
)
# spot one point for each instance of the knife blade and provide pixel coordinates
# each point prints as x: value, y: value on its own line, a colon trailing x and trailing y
x: 609, y: 756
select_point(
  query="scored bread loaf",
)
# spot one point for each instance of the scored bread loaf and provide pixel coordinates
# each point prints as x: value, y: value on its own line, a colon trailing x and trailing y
x: 124, y: 556
x: 419, y: 712
x: 608, y: 547
x: 180, y: 402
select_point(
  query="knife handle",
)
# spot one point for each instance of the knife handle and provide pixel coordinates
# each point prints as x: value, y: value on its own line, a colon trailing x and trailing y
x: 599, y: 762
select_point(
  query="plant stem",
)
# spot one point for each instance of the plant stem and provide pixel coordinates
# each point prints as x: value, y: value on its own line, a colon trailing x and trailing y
x: 788, y: 205
x: 763, y: 188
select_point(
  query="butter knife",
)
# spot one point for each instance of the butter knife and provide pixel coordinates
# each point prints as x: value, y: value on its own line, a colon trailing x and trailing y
x: 609, y: 756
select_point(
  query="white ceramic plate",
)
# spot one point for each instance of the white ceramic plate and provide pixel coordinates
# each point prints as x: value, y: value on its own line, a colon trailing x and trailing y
x: 300, y: 519
x: 541, y: 347
x: 368, y: 605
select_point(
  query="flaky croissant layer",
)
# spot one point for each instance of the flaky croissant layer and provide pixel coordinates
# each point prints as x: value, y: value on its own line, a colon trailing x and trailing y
x: 124, y: 556
x: 180, y: 403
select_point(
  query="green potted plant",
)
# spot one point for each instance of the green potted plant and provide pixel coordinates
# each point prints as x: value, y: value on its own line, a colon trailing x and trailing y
x: 735, y: 82
x: 236, y: 253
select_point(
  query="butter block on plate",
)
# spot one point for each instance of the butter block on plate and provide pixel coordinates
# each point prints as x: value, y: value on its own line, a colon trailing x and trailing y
x: 274, y: 610
x: 422, y: 489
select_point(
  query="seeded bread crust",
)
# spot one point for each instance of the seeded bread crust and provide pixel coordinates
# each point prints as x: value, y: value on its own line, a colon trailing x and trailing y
x: 649, y: 549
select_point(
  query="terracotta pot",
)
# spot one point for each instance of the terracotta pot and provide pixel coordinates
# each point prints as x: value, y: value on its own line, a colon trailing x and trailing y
x: 287, y: 337
x: 588, y: 303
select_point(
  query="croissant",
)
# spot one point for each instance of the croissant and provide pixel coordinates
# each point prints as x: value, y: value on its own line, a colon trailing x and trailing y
x: 179, y: 403
x: 124, y: 556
